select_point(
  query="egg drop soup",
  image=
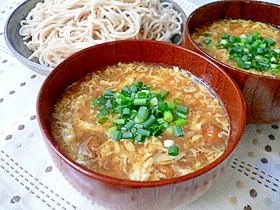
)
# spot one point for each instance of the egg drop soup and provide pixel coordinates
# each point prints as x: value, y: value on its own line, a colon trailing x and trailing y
x: 247, y: 45
x: 89, y: 142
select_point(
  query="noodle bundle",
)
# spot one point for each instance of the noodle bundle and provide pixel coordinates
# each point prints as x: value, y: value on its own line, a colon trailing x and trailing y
x: 56, y: 29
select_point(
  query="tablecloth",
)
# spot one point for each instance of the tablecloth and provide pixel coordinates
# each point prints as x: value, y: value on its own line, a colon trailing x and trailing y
x: 30, y: 181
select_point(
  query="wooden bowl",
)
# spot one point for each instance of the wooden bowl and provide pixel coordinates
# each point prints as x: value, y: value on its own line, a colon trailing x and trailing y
x: 123, y: 194
x: 261, y: 93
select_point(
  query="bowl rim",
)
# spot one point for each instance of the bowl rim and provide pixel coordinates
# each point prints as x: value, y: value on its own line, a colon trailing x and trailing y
x: 204, y: 53
x: 45, y: 70
x: 129, y: 183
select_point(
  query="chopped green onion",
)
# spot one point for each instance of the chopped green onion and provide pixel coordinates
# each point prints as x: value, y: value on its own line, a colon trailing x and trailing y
x: 126, y: 112
x: 154, y: 101
x: 207, y: 34
x: 109, y: 104
x: 231, y: 39
x: 180, y: 122
x: 182, y: 109
x: 140, y: 101
x: 118, y: 109
x: 149, y: 122
x: 139, y: 138
x: 177, y: 101
x: 99, y: 101
x: 101, y: 118
x: 178, y: 131
x: 108, y: 94
x: 143, y: 132
x: 139, y: 112
x: 142, y: 114
x: 207, y: 41
x: 117, y: 135
x: 104, y: 111
x: 119, y: 121
x: 142, y: 94
x: 167, y: 116
x: 126, y: 102
x: 112, y: 130
x: 126, y: 91
x: 162, y: 106
x: 179, y: 115
x: 171, y: 105
x: 255, y: 34
x: 173, y: 150
x: 127, y: 135
x: 129, y: 125
x: 164, y: 94
x: 251, y: 51
x: 225, y: 36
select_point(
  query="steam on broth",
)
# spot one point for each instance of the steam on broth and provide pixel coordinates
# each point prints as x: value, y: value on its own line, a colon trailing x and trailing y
x: 83, y: 139
x: 251, y: 46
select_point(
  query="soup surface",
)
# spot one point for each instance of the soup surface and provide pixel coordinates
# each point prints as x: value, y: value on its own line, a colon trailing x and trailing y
x: 89, y: 143
x: 261, y: 49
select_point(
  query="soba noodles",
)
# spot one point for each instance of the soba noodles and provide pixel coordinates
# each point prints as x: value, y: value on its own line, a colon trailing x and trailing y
x: 55, y: 29
x: 83, y: 139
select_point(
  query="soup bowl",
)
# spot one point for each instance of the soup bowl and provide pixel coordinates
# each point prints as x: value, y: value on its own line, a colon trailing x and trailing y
x: 18, y: 47
x: 261, y: 93
x: 116, y: 193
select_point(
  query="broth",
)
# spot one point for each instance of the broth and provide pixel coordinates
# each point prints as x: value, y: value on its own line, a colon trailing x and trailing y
x: 89, y: 143
x: 237, y: 28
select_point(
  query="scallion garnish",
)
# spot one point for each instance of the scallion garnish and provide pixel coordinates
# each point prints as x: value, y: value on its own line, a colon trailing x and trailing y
x: 180, y: 122
x: 207, y: 41
x: 252, y: 52
x: 173, y: 150
x: 139, y: 112
x: 117, y: 135
x: 101, y: 118
x: 207, y: 34
x: 177, y: 130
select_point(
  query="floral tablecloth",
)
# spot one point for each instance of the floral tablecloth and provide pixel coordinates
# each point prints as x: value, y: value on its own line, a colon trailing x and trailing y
x: 29, y: 179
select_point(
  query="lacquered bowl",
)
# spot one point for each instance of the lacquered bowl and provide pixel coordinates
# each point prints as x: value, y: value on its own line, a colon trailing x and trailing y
x: 19, y: 49
x: 115, y: 193
x: 261, y: 93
